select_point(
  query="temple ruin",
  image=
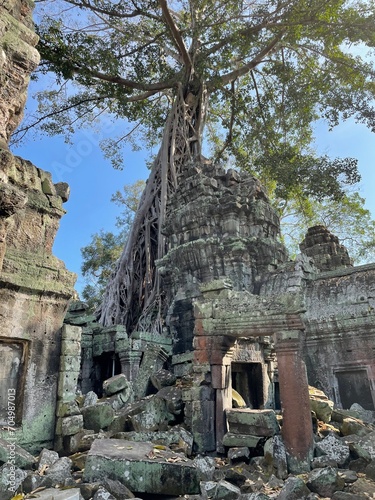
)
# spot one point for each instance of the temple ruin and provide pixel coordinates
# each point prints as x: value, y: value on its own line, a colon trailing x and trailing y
x: 245, y: 331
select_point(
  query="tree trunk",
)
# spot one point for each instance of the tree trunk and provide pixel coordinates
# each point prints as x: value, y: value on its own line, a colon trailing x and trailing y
x: 133, y: 296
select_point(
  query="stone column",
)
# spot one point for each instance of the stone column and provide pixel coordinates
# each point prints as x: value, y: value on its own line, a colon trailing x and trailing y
x: 297, y: 424
x: 130, y: 361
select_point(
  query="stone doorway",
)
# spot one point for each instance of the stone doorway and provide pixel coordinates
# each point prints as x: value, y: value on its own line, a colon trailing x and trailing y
x: 247, y: 380
x: 354, y: 387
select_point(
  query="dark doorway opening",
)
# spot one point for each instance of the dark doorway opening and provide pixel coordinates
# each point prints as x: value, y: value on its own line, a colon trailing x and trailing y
x: 247, y: 380
x: 106, y: 366
x: 354, y: 387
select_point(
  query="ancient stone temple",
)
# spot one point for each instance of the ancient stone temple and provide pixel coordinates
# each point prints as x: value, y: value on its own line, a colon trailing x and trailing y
x: 35, y: 287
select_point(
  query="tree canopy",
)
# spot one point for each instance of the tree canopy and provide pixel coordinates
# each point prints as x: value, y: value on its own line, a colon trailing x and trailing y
x: 242, y: 79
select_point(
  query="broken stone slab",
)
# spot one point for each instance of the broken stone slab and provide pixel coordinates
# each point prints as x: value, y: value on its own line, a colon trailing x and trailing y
x: 32, y: 481
x: 117, y: 489
x: 325, y: 481
x: 115, y: 384
x: 208, y: 489
x: 97, y: 417
x: 353, y: 426
x: 343, y: 495
x: 334, y: 449
x: 142, y: 468
x: 10, y: 480
x: 370, y: 470
x: 163, y: 378
x: 233, y: 440
x: 177, y: 438
x: 12, y: 452
x: 58, y: 473
x: 67, y: 409
x: 254, y: 496
x: 154, y: 417
x: 363, y: 486
x: 367, y: 416
x: 71, y: 425
x: 206, y: 467
x: 55, y: 494
x: 88, y: 438
x: 349, y: 476
x: 238, y: 453
x: 103, y: 494
x: 275, y: 454
x: 173, y: 399
x: 365, y: 446
x: 323, y: 461
x: 253, y: 422
x: 294, y: 489
x: 227, y: 491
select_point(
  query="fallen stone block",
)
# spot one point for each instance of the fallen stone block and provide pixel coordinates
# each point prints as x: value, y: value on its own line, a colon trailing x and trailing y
x: 59, y: 473
x: 142, y: 468
x: 46, y: 459
x: 294, y: 489
x: 103, y: 494
x: 238, y: 453
x: 320, y: 404
x: 323, y: 461
x: 117, y: 489
x: 351, y: 426
x: 10, y: 480
x: 325, y: 481
x: 12, y: 452
x: 55, y: 494
x: 370, y: 470
x: 240, y: 440
x: 227, y: 491
x: 334, y: 449
x: 349, y: 476
x: 254, y: 496
x: 363, y: 486
x: 71, y: 425
x: 367, y: 416
x: 343, y: 495
x: 154, y: 417
x: 115, y: 384
x: 365, y: 446
x: 208, y: 489
x: 31, y: 482
x: 97, y: 417
x: 253, y: 422
x: 173, y: 399
x: 162, y: 378
x: 275, y: 454
x: 91, y: 398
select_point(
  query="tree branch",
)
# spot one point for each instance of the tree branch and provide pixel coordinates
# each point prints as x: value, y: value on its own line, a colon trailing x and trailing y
x: 176, y: 34
x: 113, y: 13
x: 243, y: 70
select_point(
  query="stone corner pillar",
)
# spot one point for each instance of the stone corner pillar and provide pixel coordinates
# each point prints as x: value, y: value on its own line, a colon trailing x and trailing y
x: 297, y: 429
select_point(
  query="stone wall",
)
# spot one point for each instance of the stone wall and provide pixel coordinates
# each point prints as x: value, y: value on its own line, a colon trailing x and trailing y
x: 35, y: 287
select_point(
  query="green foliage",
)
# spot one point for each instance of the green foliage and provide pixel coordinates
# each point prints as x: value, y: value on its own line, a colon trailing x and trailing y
x: 347, y: 218
x: 100, y: 255
x: 270, y: 68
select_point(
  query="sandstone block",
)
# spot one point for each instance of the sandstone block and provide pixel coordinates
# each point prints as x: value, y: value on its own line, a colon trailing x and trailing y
x: 141, y: 468
x: 47, y: 458
x: 71, y: 425
x: 115, y: 384
x: 325, y: 481
x: 334, y: 449
x: 162, y: 378
x: 240, y: 440
x: 20, y: 457
x: 97, y: 416
x: 227, y: 491
x: 253, y: 422
x: 293, y: 489
x: 7, y: 488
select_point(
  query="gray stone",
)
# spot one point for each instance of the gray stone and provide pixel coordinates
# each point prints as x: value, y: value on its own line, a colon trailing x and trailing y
x: 91, y: 398
x: 55, y: 494
x: 71, y: 425
x: 359, y: 465
x: 294, y: 489
x: 349, y: 476
x: 253, y: 422
x: 173, y: 399
x: 97, y: 417
x: 12, y: 452
x: 238, y: 453
x: 343, y: 495
x: 367, y: 416
x: 59, y: 472
x: 153, y: 417
x: 334, y: 449
x: 162, y: 378
x: 67, y: 409
x: 46, y: 459
x: 10, y: 479
x: 205, y: 467
x: 208, y: 489
x: 117, y: 489
x: 31, y: 482
x: 370, y: 470
x: 275, y: 454
x: 233, y: 440
x: 363, y: 486
x: 325, y: 481
x: 103, y: 494
x: 323, y: 461
x: 320, y: 404
x: 254, y: 496
x: 115, y: 384
x: 227, y: 491
x: 142, y: 468
x: 275, y: 482
x: 365, y: 446
x: 63, y: 190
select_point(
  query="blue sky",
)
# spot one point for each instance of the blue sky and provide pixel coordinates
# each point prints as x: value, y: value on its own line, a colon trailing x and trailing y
x: 93, y: 180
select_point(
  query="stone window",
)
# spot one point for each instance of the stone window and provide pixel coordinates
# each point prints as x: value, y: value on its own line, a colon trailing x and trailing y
x: 12, y: 377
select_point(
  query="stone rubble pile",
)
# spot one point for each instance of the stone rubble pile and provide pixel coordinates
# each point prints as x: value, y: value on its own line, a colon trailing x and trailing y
x: 117, y: 448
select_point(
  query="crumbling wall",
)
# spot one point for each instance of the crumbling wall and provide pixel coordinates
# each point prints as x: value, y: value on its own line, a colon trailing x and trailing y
x: 35, y: 287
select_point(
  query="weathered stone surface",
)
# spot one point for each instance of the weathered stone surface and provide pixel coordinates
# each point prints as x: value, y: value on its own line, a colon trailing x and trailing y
x: 10, y: 451
x: 363, y: 486
x: 370, y: 470
x: 91, y: 398
x: 97, y: 417
x: 239, y: 440
x: 117, y: 489
x: 103, y: 494
x: 141, y: 468
x: 72, y: 425
x: 325, y: 481
x: 59, y: 472
x: 343, y: 495
x: 320, y: 404
x: 172, y: 397
x: 323, y: 461
x: 334, y: 449
x: 275, y: 453
x: 293, y: 489
x: 205, y: 466
x: 367, y: 416
x: 227, y: 491
x: 365, y: 446
x: 10, y: 479
x: 253, y: 422
x: 115, y: 384
x: 208, y: 489
x: 238, y: 453
x: 349, y: 476
x: 162, y: 378
x: 55, y: 494
x: 353, y: 426
x: 154, y: 416
x: 47, y: 458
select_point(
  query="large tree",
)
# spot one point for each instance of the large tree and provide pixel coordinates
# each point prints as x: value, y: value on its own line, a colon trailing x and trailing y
x: 253, y: 74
